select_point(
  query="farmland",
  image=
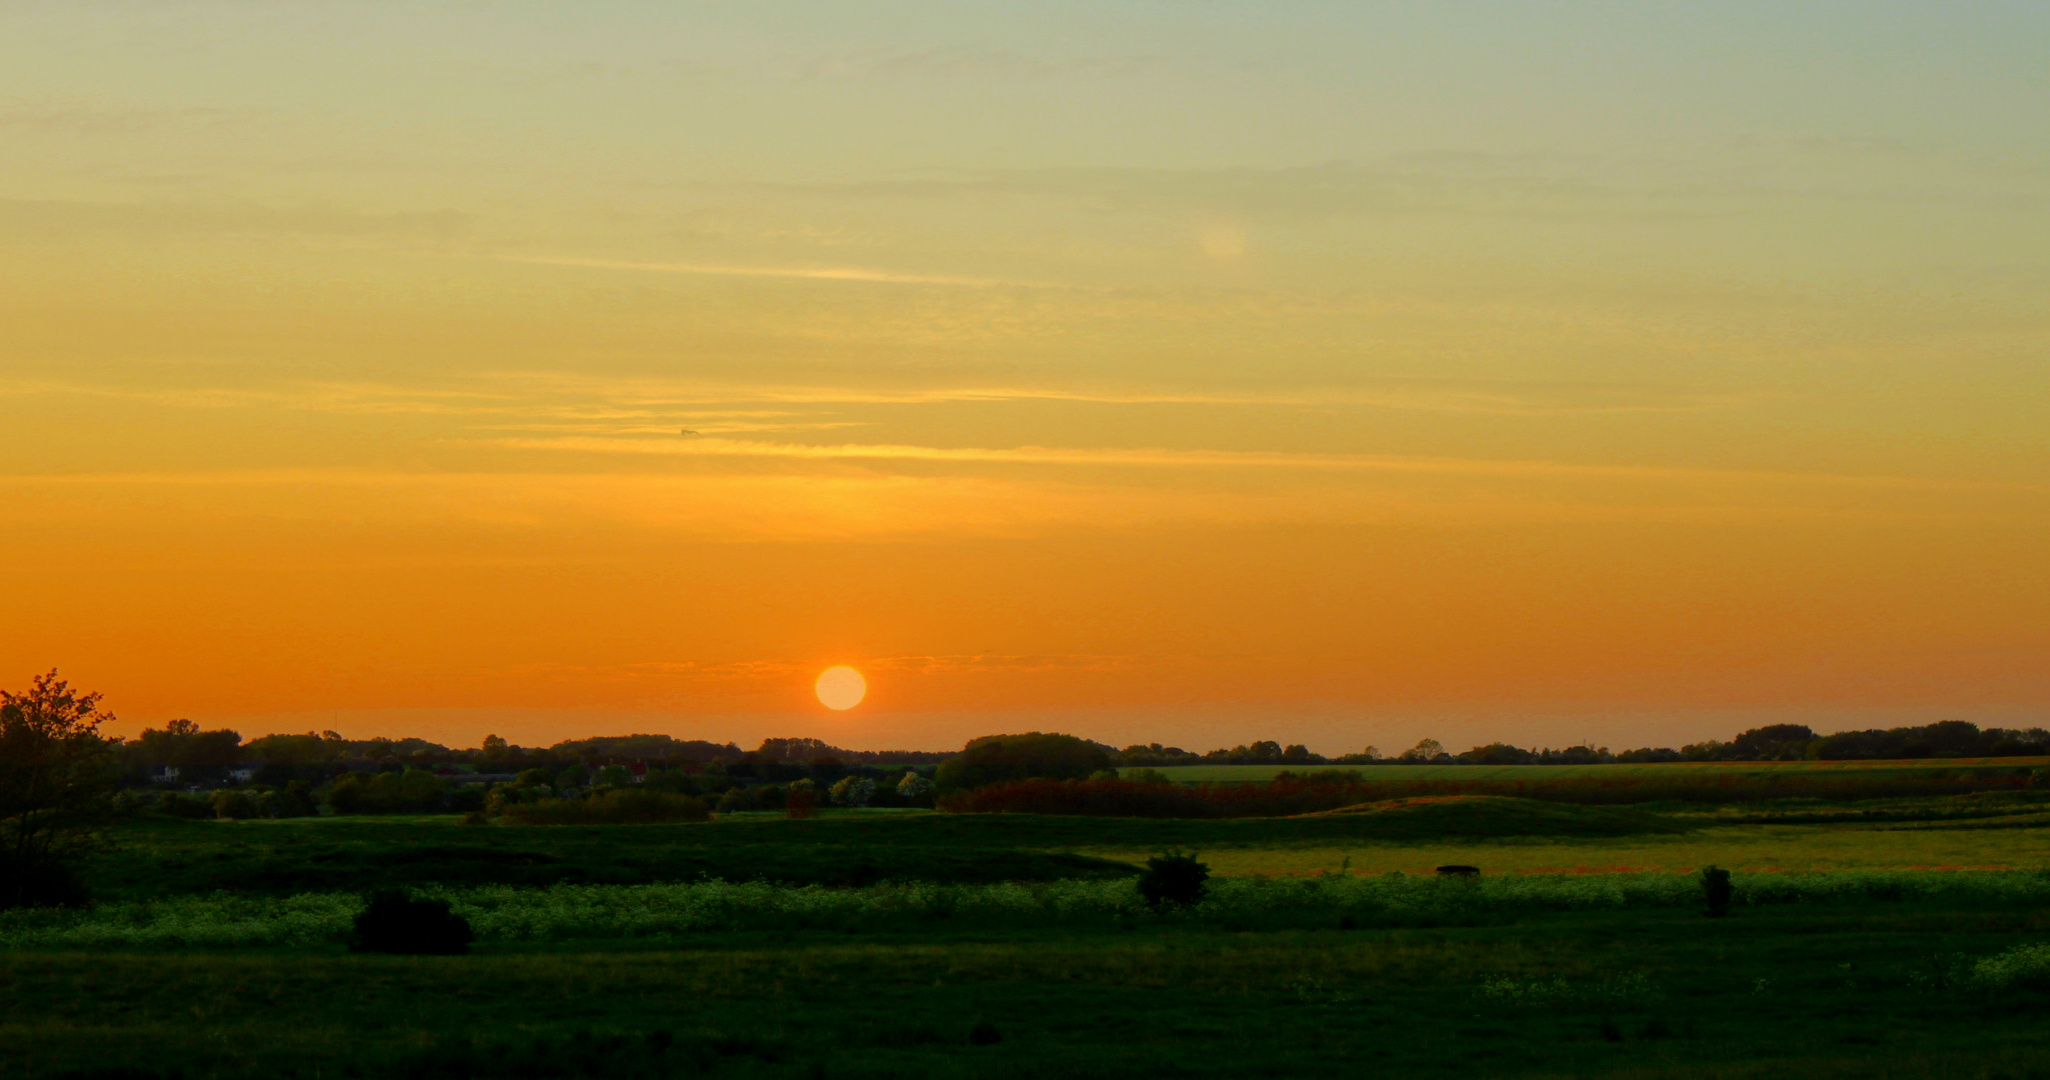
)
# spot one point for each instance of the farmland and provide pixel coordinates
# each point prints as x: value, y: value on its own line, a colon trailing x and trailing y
x: 916, y: 943
x: 1740, y: 772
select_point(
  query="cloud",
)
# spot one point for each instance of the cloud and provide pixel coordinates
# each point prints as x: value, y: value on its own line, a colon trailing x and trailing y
x: 1156, y: 458
x: 60, y: 119
x: 54, y: 219
x: 527, y: 399
x: 811, y: 273
x: 1713, y: 184
x: 972, y: 62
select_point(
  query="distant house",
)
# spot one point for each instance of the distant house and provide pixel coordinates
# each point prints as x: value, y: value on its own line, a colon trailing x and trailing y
x: 242, y: 773
x: 164, y: 774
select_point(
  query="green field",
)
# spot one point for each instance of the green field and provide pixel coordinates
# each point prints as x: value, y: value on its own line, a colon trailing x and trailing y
x: 866, y: 943
x: 1260, y: 774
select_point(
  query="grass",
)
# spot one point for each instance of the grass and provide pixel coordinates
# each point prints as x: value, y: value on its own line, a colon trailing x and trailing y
x: 611, y: 912
x: 1836, y: 991
x: 1259, y: 774
x: 156, y: 857
x: 1223, y: 786
x: 877, y: 943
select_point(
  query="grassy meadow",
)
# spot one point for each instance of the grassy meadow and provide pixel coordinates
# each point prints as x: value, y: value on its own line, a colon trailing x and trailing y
x: 1622, y: 774
x: 1881, y: 938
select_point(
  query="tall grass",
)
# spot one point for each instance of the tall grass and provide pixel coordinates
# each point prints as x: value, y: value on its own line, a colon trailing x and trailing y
x: 508, y: 913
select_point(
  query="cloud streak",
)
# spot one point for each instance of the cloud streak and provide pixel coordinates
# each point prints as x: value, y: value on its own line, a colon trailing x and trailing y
x: 1156, y: 458
x: 804, y: 273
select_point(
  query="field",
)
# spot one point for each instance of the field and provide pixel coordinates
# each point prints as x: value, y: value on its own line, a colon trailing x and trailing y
x: 1651, y: 772
x: 909, y: 944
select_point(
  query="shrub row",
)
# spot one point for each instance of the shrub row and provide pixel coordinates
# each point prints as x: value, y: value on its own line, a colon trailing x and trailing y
x: 1308, y: 794
x: 507, y: 913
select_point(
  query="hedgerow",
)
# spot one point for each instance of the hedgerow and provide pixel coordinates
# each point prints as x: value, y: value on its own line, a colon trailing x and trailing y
x: 510, y: 913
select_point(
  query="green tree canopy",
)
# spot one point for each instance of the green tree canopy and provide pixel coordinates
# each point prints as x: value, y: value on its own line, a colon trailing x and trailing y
x: 997, y: 758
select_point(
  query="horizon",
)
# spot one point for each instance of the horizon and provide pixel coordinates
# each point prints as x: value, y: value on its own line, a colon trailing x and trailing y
x: 1388, y: 752
x: 1348, y: 374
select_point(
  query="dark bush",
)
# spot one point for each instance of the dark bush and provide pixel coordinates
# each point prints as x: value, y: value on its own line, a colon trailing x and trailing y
x: 296, y: 800
x: 34, y: 882
x: 393, y: 922
x: 414, y: 791
x: 181, y: 806
x: 1715, y: 889
x: 1173, y: 879
x: 984, y: 1033
x: 235, y: 805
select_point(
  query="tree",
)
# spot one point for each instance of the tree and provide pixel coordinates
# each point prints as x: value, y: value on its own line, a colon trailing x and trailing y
x: 200, y: 754
x: 57, y: 777
x: 1424, y: 750
x: 1033, y: 755
x: 1775, y: 741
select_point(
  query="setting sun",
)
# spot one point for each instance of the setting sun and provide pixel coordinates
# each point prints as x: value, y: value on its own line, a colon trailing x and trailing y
x: 841, y: 687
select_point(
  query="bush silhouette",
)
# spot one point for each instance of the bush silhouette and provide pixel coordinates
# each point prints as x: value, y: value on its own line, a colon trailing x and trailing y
x: 984, y: 1033
x: 396, y: 923
x: 38, y: 882
x: 1715, y: 888
x: 1173, y: 879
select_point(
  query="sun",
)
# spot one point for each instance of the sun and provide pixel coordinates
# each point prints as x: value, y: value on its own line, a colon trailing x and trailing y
x: 841, y: 688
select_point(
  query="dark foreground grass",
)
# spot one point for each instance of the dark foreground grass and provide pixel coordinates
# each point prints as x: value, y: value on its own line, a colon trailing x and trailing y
x: 158, y: 856
x: 1855, y: 989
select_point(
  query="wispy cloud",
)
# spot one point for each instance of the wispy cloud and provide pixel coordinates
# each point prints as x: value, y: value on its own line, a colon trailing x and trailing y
x: 810, y: 273
x: 958, y: 61
x: 51, y: 218
x: 1154, y: 458
x: 542, y: 397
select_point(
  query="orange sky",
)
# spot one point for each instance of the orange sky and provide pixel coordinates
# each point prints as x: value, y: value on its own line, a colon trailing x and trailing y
x: 1344, y: 377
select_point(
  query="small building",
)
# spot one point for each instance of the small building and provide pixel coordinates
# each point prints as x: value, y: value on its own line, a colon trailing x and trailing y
x: 164, y: 774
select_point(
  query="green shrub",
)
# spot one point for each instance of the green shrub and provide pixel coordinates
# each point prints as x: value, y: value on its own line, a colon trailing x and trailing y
x: 853, y: 791
x: 184, y: 806
x: 235, y: 805
x: 737, y: 799
x: 295, y: 800
x: 614, y: 807
x: 415, y: 791
x: 2021, y: 966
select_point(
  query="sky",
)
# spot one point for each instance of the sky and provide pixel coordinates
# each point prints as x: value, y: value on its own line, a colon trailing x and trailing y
x: 1337, y: 373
